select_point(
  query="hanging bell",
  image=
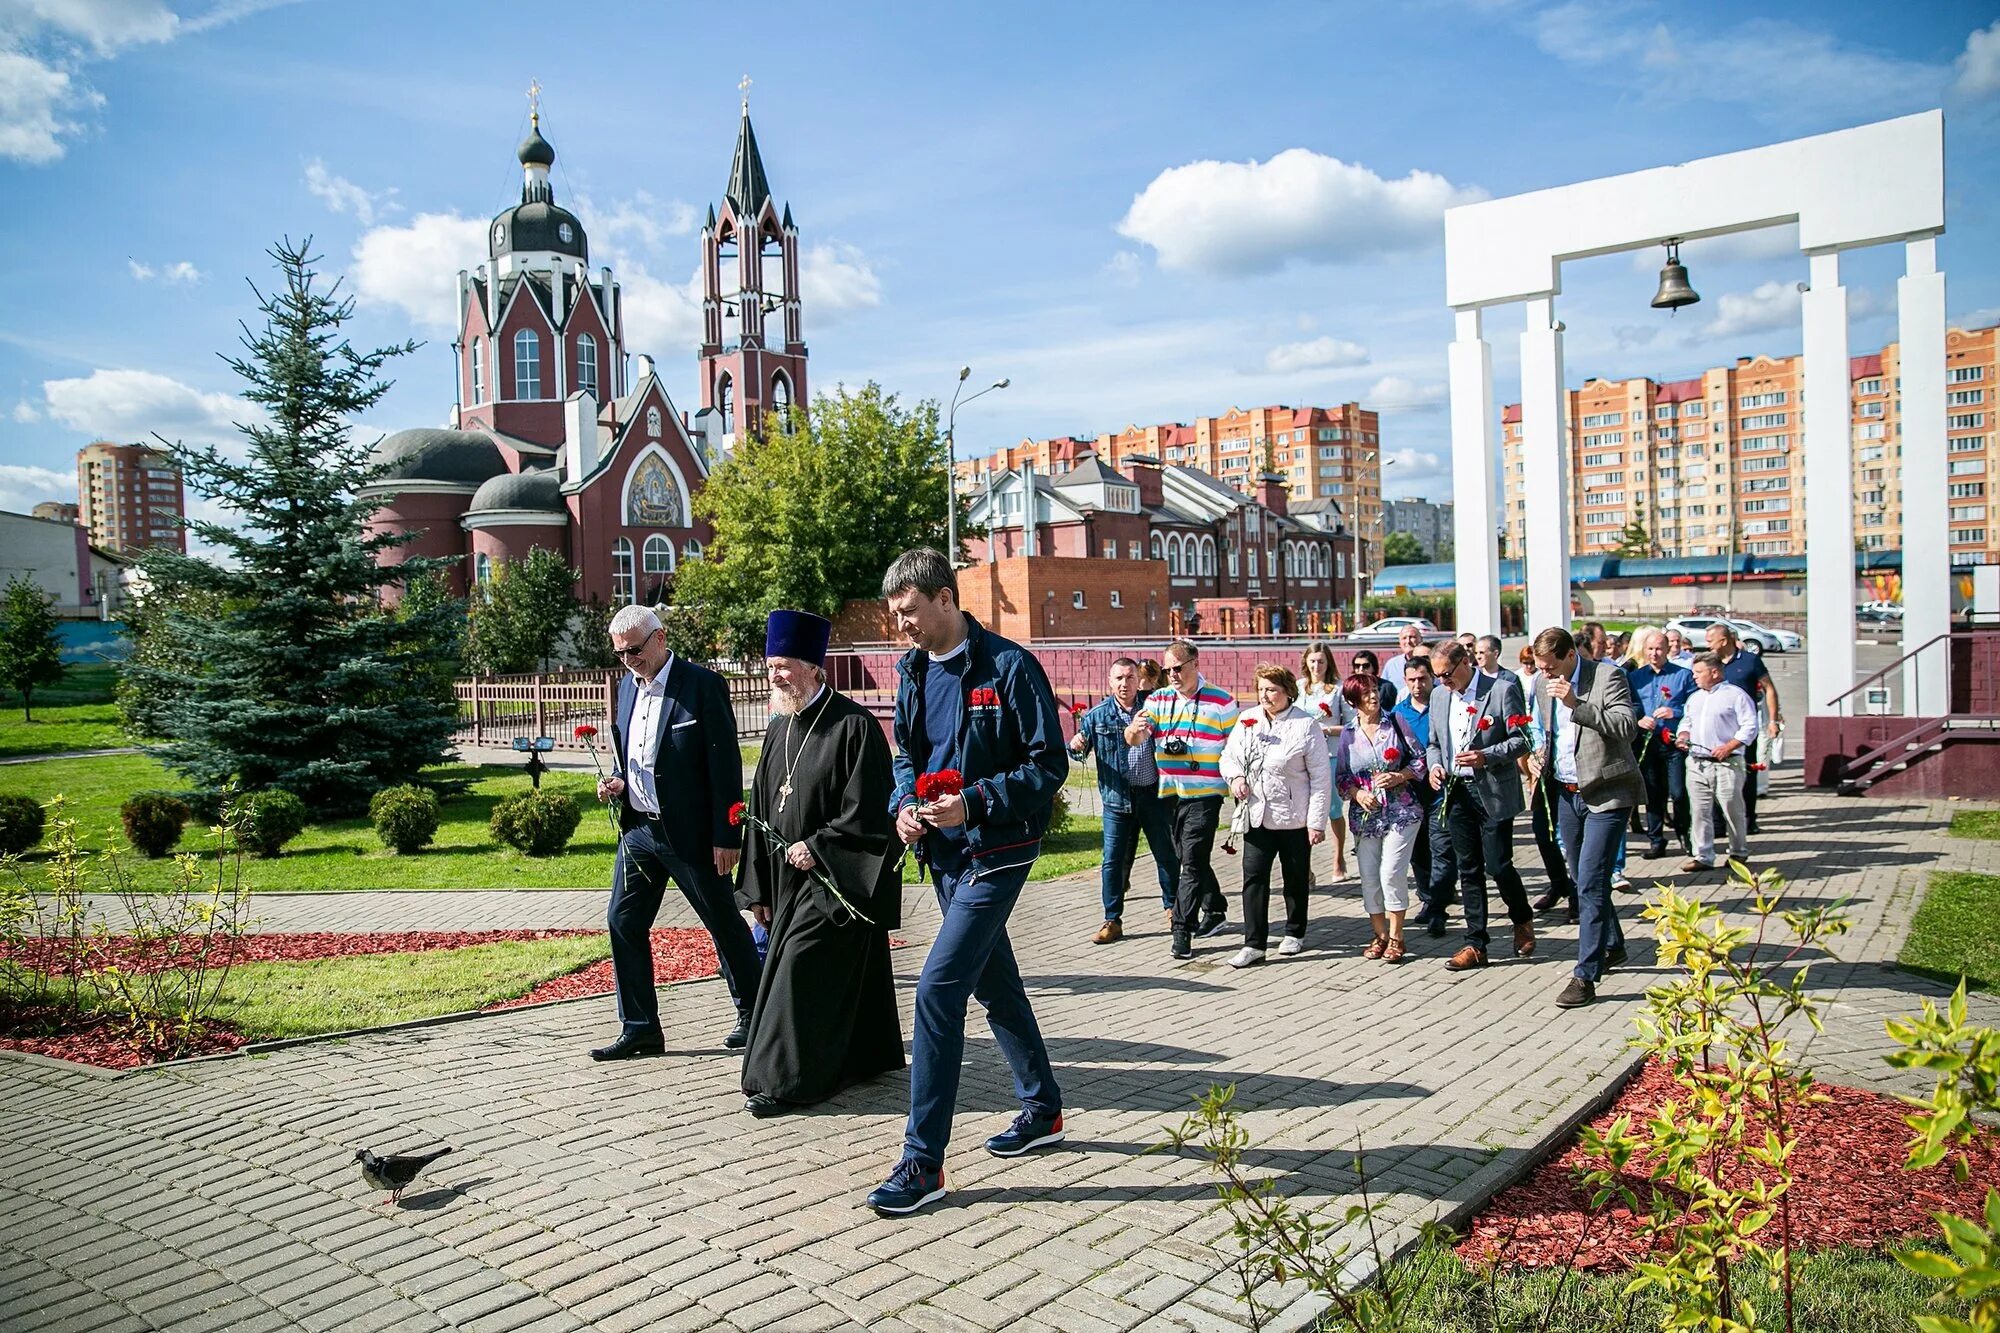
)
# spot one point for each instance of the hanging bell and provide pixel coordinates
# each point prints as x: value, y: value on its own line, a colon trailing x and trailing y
x: 1674, y: 290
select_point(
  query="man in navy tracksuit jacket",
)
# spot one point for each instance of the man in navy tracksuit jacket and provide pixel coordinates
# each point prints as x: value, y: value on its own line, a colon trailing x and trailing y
x: 970, y: 701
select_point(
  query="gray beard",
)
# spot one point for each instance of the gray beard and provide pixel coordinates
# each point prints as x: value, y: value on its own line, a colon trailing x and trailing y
x: 786, y: 704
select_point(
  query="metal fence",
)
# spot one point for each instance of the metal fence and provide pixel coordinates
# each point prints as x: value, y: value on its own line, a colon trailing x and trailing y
x: 496, y: 710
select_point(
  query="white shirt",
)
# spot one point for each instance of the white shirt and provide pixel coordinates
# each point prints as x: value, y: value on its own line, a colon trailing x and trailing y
x: 1563, y: 717
x: 642, y: 741
x: 1720, y: 713
x: 1459, y: 729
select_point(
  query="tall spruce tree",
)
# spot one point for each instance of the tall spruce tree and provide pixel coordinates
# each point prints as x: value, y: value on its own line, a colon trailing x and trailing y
x: 295, y: 676
x: 30, y: 643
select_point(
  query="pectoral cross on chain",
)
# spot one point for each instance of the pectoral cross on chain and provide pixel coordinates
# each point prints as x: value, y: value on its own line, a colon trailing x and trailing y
x: 784, y: 793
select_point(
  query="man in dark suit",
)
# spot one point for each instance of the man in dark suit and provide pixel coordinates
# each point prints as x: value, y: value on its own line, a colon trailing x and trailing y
x: 1486, y: 657
x: 1586, y: 768
x: 676, y: 772
x: 1475, y: 739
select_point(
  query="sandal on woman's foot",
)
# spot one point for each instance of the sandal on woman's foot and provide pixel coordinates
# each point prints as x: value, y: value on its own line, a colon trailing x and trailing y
x: 1375, y: 948
x: 1394, y: 952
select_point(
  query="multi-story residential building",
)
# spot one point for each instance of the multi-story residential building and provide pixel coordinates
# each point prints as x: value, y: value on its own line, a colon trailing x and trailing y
x: 1716, y: 463
x: 129, y: 497
x: 1429, y: 523
x: 55, y: 511
x: 1318, y: 453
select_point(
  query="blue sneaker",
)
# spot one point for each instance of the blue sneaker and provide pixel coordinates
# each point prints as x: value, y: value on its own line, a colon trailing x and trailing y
x: 1029, y: 1130
x: 909, y: 1187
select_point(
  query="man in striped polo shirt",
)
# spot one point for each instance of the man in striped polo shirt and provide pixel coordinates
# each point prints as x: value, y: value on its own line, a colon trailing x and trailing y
x: 1189, y: 723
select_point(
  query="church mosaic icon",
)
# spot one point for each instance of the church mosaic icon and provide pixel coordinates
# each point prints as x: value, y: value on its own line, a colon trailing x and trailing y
x: 655, y: 498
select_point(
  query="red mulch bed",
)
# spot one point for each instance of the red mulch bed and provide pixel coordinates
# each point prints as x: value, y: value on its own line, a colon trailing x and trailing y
x: 1849, y: 1186
x: 305, y: 946
x: 680, y: 953
x: 95, y: 1039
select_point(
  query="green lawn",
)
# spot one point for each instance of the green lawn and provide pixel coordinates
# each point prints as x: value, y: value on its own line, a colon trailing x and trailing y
x: 1080, y: 847
x: 1836, y: 1291
x: 60, y: 727
x: 82, y: 683
x: 1975, y: 824
x: 270, y: 1000
x: 1957, y: 930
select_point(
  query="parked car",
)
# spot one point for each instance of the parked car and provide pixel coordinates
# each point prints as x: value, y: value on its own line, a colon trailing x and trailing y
x: 1872, y: 614
x: 1775, y: 640
x: 1390, y: 626
x: 1883, y: 610
x: 1696, y: 630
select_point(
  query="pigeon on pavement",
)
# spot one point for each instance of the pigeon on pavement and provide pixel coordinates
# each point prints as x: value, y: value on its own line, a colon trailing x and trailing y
x: 394, y: 1172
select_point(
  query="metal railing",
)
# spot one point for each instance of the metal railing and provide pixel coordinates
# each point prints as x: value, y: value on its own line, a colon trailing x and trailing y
x: 494, y: 710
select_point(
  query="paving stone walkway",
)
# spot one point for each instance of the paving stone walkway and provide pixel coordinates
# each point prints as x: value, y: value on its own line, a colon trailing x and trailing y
x: 222, y: 1194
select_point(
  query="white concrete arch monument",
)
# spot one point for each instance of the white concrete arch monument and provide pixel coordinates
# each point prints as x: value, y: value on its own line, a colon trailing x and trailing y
x: 1872, y: 185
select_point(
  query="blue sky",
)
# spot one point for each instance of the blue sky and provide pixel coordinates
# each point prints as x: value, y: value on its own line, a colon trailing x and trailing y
x: 1137, y: 212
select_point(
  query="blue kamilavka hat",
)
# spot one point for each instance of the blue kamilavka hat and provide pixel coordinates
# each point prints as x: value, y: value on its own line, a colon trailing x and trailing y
x: 799, y: 634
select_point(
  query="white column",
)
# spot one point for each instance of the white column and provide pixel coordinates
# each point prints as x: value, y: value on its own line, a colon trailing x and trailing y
x: 1545, y: 451
x: 1826, y: 408
x: 1474, y: 519
x: 1926, y: 532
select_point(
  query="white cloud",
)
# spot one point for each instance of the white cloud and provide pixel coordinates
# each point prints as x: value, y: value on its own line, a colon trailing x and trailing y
x: 414, y: 267
x: 340, y: 194
x: 836, y: 280
x: 1977, y: 319
x: 661, y: 320
x: 1316, y: 354
x: 37, y: 102
x: 1394, y: 393
x: 1254, y: 217
x: 106, y: 26
x: 641, y: 220
x: 1773, y: 305
x: 25, y: 412
x: 1125, y: 268
x: 23, y: 487
x: 1978, y: 65
x: 133, y: 405
x: 179, y: 272
x: 1763, y: 245
x: 1424, y: 473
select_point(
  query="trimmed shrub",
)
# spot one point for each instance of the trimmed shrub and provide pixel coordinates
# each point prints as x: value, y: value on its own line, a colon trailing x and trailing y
x: 405, y: 818
x: 267, y: 820
x: 1059, y: 815
x: 153, y: 822
x: 537, y: 822
x: 21, y: 820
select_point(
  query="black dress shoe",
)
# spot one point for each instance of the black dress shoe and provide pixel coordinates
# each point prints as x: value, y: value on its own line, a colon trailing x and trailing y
x: 1570, y: 917
x: 1576, y: 994
x: 1614, y: 957
x: 629, y: 1047
x: 739, y: 1036
x: 1435, y: 927
x: 1548, y: 902
x: 763, y: 1105
x: 1656, y: 850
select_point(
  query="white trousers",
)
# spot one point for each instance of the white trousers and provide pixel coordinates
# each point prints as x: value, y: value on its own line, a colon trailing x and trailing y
x: 1713, y: 782
x: 1385, y: 869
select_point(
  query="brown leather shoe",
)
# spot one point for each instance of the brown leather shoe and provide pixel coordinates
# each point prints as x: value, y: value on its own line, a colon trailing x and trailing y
x: 1524, y: 940
x: 1465, y: 959
x: 1109, y: 933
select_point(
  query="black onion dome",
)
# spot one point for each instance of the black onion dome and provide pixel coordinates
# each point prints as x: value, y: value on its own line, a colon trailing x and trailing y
x: 537, y: 151
x: 427, y: 454
x: 538, y: 490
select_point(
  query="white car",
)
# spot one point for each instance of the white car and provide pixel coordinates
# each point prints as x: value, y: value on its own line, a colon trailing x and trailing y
x: 1757, y: 640
x: 1884, y: 610
x: 1774, y: 640
x: 1390, y: 626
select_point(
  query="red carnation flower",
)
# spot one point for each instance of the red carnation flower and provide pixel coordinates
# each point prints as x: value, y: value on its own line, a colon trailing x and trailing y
x: 1666, y: 737
x: 1391, y: 755
x: 1485, y: 722
x: 1249, y: 722
x: 1077, y: 710
x: 585, y: 732
x: 1519, y: 720
x: 934, y: 786
x: 1326, y: 708
x: 1758, y: 768
x: 1666, y: 693
x: 736, y: 815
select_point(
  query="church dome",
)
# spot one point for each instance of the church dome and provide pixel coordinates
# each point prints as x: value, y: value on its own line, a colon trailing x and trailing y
x: 538, y: 224
x: 439, y: 455
x: 537, y: 151
x: 537, y: 490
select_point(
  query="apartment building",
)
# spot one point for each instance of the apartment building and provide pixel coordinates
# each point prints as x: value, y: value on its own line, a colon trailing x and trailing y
x: 129, y: 497
x: 1429, y: 523
x: 1716, y: 463
x: 1322, y: 453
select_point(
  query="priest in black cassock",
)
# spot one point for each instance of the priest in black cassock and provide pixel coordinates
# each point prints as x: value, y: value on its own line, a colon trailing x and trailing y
x: 825, y: 1016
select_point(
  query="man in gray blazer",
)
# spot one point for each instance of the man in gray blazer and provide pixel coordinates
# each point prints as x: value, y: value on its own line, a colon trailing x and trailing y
x: 1587, y: 768
x: 1475, y: 739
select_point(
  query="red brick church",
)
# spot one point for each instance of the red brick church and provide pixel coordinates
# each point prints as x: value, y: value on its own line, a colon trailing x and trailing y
x: 560, y: 437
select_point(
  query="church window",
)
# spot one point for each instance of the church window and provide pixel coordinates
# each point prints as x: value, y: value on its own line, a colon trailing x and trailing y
x: 586, y: 364
x: 1208, y: 555
x: 781, y: 394
x: 482, y: 568
x: 566, y: 233
x: 692, y: 551
x: 725, y: 402
x: 1159, y: 548
x: 478, y: 370
x: 653, y: 422
x: 658, y: 555
x: 654, y: 497
x: 527, y: 365
x: 623, y: 585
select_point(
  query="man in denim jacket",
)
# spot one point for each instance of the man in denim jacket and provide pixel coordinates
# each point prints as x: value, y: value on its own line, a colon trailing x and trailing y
x: 971, y: 702
x: 1128, y: 789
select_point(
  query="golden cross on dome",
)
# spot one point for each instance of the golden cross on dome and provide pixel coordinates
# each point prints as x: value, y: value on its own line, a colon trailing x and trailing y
x: 744, y: 88
x: 535, y: 103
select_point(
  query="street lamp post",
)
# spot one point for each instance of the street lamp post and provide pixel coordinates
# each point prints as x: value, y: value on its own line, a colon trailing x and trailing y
x: 951, y: 464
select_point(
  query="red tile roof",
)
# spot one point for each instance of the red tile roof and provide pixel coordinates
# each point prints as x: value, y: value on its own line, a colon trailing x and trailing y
x: 1861, y: 367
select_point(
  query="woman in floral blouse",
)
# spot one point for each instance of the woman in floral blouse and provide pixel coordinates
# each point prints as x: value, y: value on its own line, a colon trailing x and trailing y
x: 1376, y: 767
x: 1319, y: 695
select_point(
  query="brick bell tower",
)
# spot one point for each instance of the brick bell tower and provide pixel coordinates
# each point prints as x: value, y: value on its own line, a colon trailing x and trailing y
x: 753, y: 354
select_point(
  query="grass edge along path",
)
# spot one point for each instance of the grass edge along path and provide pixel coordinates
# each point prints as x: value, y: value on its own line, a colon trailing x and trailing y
x: 1956, y: 931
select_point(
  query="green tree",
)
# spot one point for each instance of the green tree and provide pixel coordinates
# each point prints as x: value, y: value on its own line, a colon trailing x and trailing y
x: 276, y: 664
x: 809, y: 515
x: 1402, y: 548
x: 1635, y: 542
x: 30, y: 648
x: 519, y: 616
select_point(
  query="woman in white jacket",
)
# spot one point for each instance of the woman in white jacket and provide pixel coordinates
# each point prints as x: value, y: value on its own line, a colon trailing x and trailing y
x: 1276, y: 765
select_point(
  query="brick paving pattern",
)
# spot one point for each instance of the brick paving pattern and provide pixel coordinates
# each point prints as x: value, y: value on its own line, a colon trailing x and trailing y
x: 222, y: 1194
